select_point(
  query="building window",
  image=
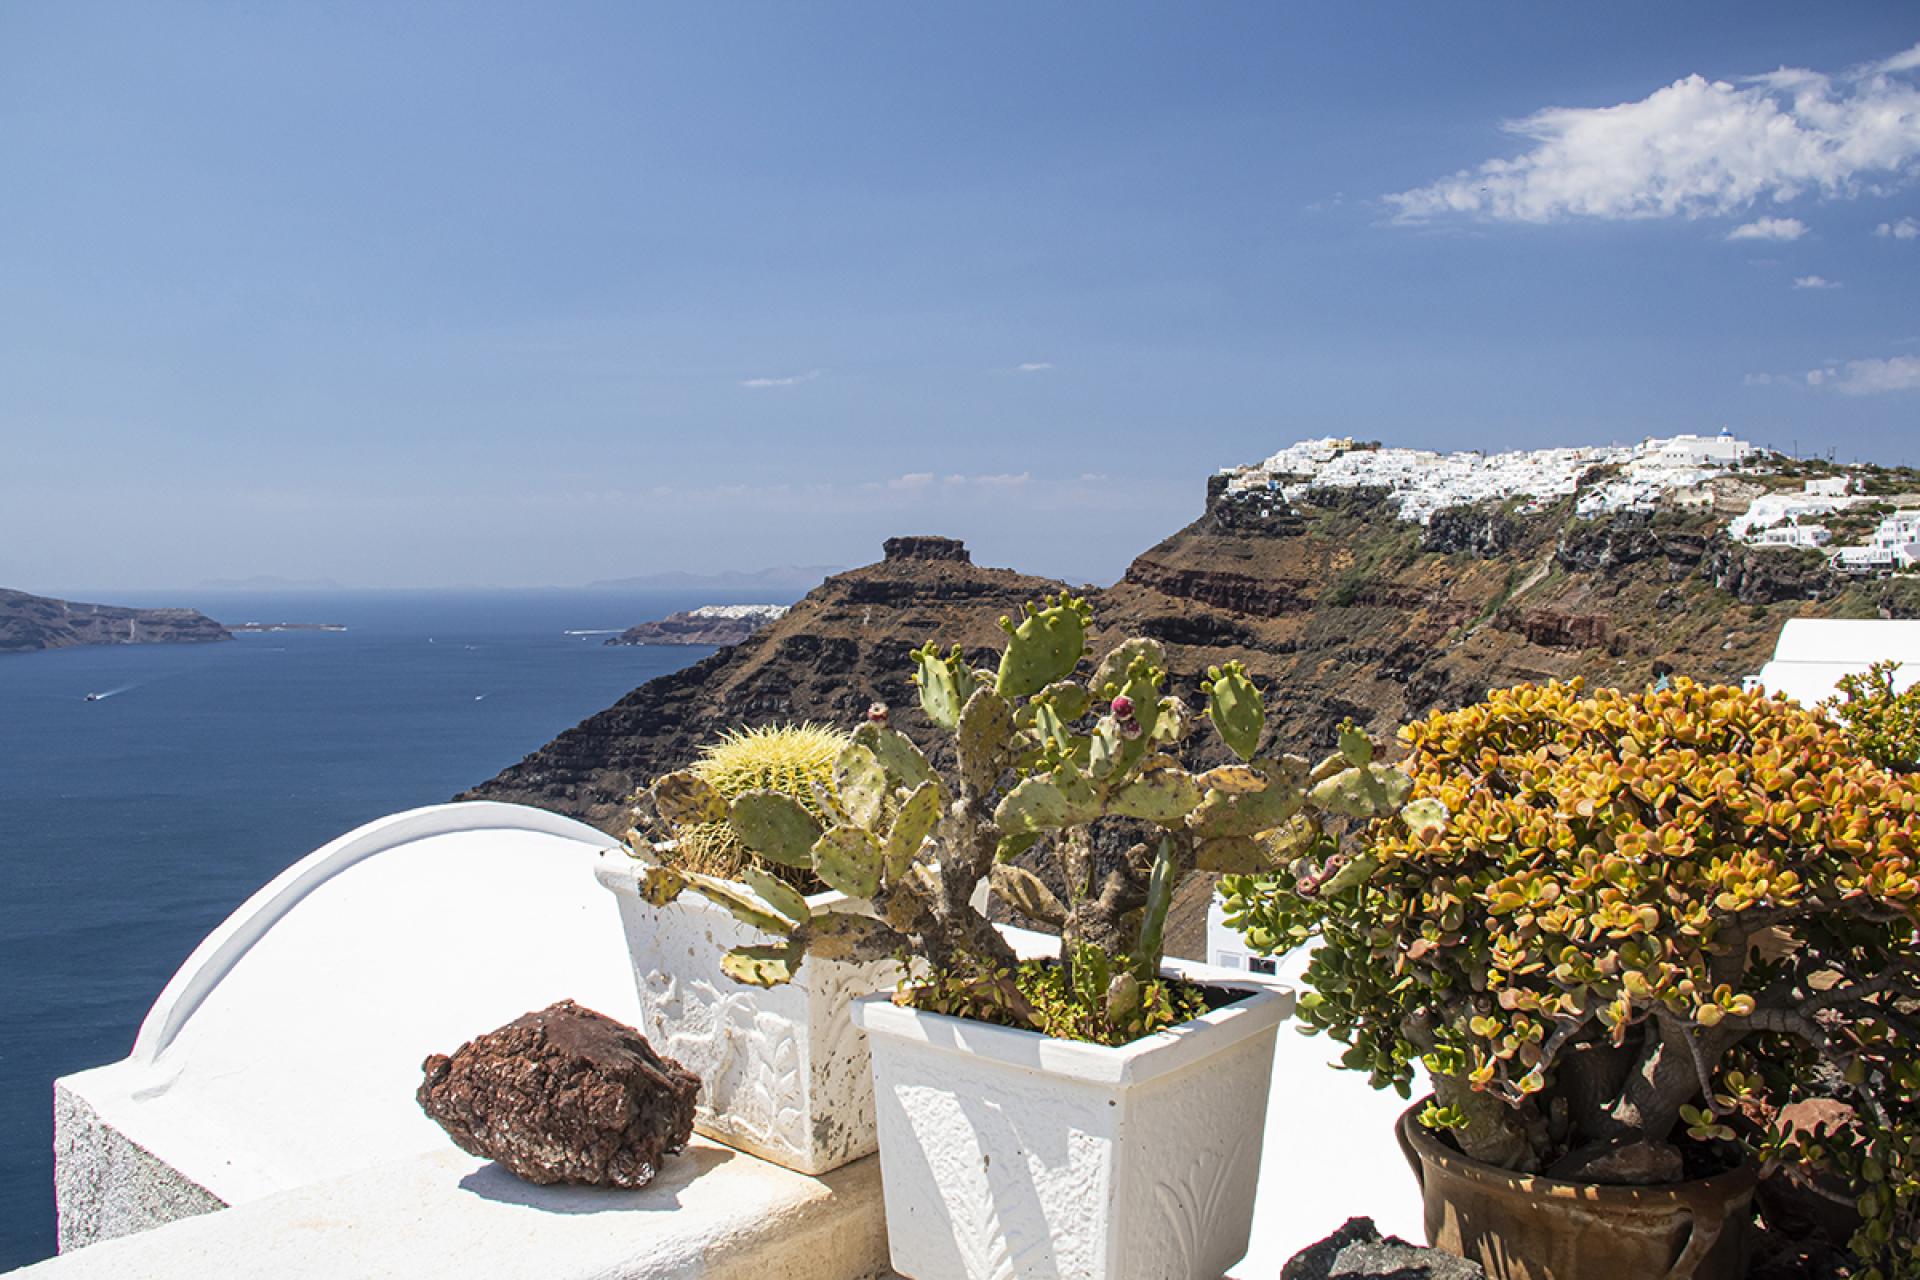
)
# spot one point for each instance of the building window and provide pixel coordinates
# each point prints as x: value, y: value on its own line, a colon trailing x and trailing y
x: 1261, y: 964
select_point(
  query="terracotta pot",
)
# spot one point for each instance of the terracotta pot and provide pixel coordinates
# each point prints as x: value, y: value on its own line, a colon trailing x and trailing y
x: 1528, y: 1228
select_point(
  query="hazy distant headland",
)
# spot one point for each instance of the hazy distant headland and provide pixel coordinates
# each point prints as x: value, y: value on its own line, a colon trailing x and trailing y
x: 29, y: 623
x: 793, y: 578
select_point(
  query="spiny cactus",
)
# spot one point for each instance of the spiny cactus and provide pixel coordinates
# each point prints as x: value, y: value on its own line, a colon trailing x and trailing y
x: 788, y: 760
x: 1039, y: 758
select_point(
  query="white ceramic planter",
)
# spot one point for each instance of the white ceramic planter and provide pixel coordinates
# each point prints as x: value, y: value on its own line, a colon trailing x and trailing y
x: 783, y: 1070
x: 1009, y: 1154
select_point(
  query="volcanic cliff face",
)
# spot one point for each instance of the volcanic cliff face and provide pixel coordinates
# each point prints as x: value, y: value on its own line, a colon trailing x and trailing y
x: 29, y: 622
x: 835, y: 653
x: 1340, y: 609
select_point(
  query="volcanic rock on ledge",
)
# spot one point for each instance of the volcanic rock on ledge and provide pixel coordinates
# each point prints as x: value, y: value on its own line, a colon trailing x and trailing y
x: 563, y: 1095
x: 1358, y: 1252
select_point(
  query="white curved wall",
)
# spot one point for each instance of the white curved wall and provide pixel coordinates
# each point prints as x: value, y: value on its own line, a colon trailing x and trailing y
x: 288, y: 1047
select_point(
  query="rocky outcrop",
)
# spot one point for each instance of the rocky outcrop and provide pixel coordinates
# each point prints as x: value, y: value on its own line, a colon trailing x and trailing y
x: 1754, y: 575
x: 1483, y: 531
x: 927, y: 547
x: 29, y: 622
x: 563, y: 1095
x: 1357, y: 1251
x: 840, y: 649
x: 712, y: 625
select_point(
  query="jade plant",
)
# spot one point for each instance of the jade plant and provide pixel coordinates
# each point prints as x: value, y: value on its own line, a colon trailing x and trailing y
x: 1884, y: 724
x: 791, y: 759
x: 1633, y: 929
x: 1079, y: 769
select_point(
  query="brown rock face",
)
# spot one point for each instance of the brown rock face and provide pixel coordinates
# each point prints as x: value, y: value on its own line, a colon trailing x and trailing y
x: 563, y: 1095
x: 836, y: 652
x: 926, y: 547
x: 1336, y: 607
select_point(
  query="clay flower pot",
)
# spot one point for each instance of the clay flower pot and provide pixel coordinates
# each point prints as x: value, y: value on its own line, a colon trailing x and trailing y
x: 1008, y: 1153
x: 1520, y: 1227
x: 783, y: 1070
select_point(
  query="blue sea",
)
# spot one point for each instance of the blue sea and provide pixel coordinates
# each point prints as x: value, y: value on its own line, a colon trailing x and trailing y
x: 131, y: 826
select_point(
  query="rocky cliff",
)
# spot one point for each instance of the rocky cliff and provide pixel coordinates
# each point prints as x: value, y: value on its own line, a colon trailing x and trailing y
x: 30, y: 622
x: 718, y: 625
x: 834, y: 653
x: 1337, y: 607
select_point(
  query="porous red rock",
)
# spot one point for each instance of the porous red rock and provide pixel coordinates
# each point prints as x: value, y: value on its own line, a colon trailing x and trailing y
x: 563, y: 1094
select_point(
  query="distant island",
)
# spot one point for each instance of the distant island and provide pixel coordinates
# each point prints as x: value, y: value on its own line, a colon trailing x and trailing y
x: 29, y: 623
x: 715, y: 624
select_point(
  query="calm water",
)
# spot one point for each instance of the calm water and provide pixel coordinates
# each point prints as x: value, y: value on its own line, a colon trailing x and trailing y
x: 129, y: 827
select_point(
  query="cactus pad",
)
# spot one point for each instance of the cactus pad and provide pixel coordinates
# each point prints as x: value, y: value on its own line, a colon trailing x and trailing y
x: 775, y: 826
x: 1044, y: 646
x: 848, y: 859
x: 1233, y: 704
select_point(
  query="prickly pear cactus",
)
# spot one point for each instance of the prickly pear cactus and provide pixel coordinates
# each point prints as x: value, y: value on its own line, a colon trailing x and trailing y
x: 1039, y: 758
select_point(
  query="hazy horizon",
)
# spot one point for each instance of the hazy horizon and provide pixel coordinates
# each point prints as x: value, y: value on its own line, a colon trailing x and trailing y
x: 525, y: 297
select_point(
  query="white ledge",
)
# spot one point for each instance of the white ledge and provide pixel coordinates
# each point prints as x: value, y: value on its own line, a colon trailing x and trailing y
x: 713, y: 1213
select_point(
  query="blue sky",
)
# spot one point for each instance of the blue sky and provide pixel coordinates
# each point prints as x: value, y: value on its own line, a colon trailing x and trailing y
x: 538, y: 294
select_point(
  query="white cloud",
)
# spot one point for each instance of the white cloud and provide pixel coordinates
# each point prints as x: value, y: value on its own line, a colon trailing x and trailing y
x: 1903, y: 229
x: 1695, y: 148
x: 1033, y: 366
x: 1870, y: 377
x: 1814, y: 282
x: 1769, y: 229
x: 795, y: 380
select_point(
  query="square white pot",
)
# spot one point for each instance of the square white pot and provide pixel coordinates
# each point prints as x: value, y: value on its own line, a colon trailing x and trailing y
x: 783, y: 1070
x: 1006, y: 1153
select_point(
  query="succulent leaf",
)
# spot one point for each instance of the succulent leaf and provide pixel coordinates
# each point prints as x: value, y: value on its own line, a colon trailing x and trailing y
x: 1355, y: 745
x: 775, y: 826
x: 684, y: 798
x: 849, y: 935
x: 746, y: 908
x: 861, y: 783
x: 945, y: 682
x: 911, y: 826
x: 1234, y: 706
x: 848, y: 859
x: 986, y: 732
x: 1230, y: 855
x: 1028, y: 893
x: 1110, y: 676
x: 1044, y: 646
x: 906, y: 767
x: 779, y: 895
x: 762, y: 966
x: 1162, y: 795
x: 661, y: 885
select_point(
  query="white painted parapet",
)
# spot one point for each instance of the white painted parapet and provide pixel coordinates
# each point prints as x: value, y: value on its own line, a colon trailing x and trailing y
x: 712, y: 1214
x: 287, y: 1049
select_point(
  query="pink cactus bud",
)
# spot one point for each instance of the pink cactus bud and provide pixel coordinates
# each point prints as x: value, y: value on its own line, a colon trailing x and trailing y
x: 1130, y: 729
x: 1122, y: 707
x: 877, y: 713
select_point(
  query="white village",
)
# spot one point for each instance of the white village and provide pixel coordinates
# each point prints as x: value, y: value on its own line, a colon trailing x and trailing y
x: 1718, y: 473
